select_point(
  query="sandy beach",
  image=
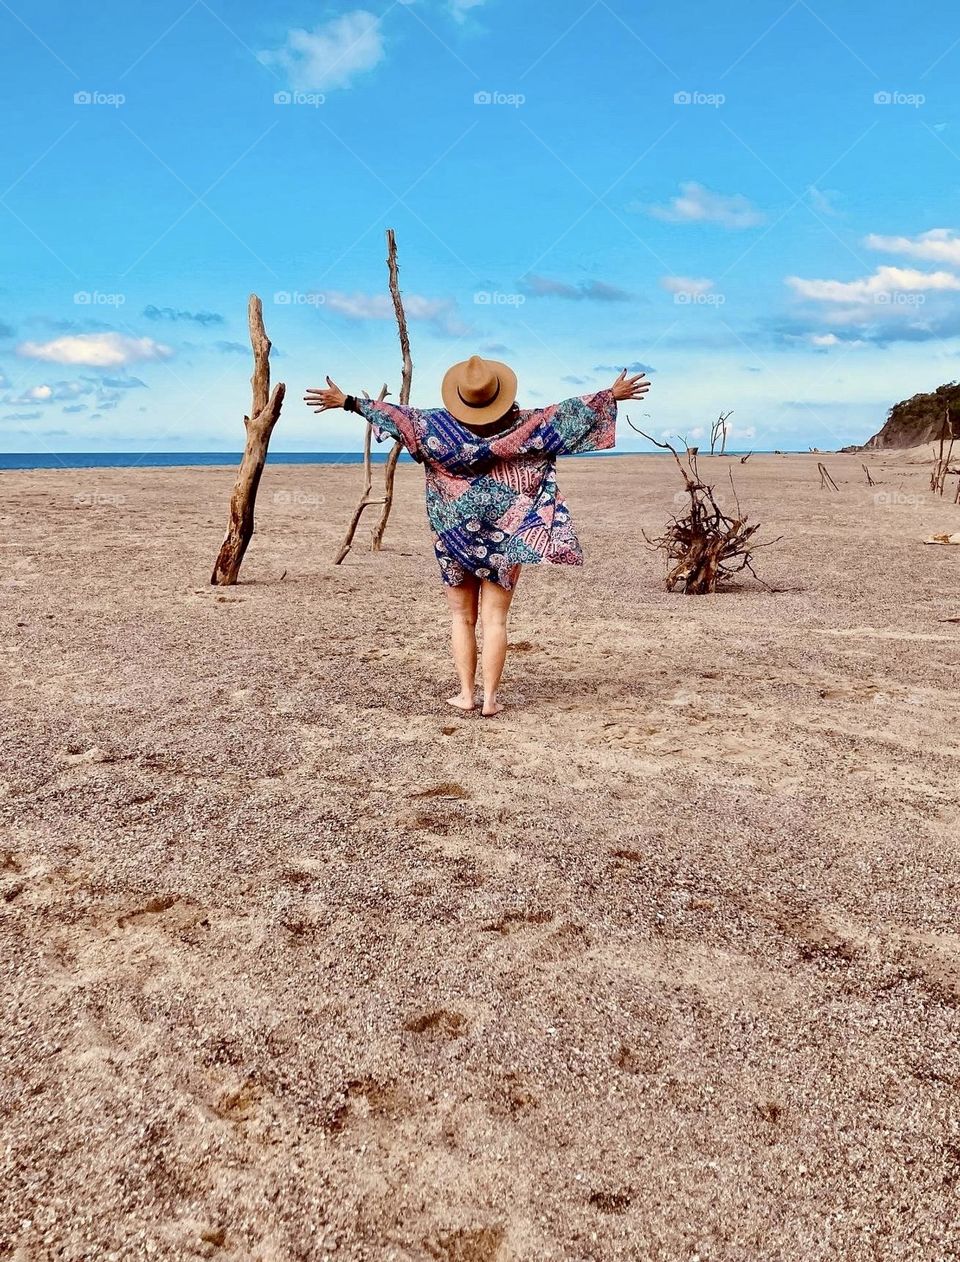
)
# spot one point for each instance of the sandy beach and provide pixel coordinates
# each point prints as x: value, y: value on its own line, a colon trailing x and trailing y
x: 663, y: 964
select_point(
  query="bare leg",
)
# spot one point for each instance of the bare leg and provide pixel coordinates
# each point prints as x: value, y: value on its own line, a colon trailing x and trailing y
x: 494, y: 607
x: 463, y: 601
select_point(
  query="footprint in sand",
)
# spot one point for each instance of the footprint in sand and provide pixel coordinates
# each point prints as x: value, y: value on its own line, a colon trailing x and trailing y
x: 153, y: 907
x: 611, y: 1202
x: 513, y: 920
x: 239, y: 1104
x: 481, y: 1244
x: 449, y: 789
x: 368, y: 1098
x: 76, y: 752
x: 437, y: 1024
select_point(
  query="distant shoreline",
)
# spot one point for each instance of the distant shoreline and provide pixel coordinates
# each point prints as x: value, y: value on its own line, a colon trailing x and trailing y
x: 203, y: 459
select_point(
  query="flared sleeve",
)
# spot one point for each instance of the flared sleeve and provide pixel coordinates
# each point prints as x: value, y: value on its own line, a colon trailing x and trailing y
x: 390, y: 420
x: 587, y: 423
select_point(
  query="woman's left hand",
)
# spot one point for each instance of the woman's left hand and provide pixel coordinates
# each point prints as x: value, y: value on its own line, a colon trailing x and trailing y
x: 628, y: 387
x: 327, y: 399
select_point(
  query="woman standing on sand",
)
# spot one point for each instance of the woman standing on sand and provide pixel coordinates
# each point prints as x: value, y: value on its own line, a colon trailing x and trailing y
x: 492, y: 496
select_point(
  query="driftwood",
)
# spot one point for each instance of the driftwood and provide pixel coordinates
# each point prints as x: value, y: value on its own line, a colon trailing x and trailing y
x: 365, y: 500
x: 718, y: 430
x: 706, y: 547
x: 744, y: 459
x: 389, y: 474
x: 870, y: 480
x: 826, y: 482
x: 941, y: 461
x: 406, y: 381
x: 264, y: 414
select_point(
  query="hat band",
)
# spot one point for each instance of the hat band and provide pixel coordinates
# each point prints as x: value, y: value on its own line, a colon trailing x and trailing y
x: 486, y: 402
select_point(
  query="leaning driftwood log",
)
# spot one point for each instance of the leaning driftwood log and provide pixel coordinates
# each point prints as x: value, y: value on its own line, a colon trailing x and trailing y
x: 406, y: 379
x: 706, y: 547
x: 365, y: 500
x: 264, y: 414
x: 826, y: 481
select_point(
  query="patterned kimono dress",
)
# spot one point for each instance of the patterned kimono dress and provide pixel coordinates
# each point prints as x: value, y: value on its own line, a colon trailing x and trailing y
x: 493, y: 502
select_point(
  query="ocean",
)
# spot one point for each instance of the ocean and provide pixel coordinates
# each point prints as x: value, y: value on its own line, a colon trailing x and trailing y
x: 170, y: 459
x: 177, y: 459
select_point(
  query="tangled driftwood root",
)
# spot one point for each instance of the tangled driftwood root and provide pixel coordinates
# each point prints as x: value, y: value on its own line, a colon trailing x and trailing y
x: 706, y: 547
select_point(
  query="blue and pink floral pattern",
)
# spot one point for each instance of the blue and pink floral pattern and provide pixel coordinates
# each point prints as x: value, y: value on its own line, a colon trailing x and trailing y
x: 493, y: 502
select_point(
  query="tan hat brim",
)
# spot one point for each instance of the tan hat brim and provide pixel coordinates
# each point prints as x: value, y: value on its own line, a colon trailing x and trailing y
x: 502, y: 404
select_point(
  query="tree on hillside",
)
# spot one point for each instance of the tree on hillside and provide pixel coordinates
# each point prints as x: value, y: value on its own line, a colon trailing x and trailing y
x: 924, y: 418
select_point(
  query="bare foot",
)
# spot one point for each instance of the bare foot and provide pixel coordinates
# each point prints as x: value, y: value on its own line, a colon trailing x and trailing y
x: 460, y: 702
x: 491, y: 709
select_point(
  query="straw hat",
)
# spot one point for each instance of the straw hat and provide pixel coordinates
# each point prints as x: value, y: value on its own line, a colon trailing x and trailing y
x: 477, y: 391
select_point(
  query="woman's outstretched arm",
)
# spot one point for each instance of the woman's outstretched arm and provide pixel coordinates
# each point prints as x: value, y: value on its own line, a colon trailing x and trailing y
x: 388, y: 419
x: 585, y: 423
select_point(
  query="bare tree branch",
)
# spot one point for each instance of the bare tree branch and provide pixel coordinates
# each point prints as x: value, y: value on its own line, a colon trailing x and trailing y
x: 264, y: 414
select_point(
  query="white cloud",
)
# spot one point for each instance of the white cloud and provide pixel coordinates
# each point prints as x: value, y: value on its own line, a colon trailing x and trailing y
x: 698, y: 204
x: 885, y: 280
x: 941, y: 245
x: 331, y: 55
x: 821, y: 200
x: 824, y: 341
x: 96, y: 350
x: 686, y: 284
x: 439, y: 312
x: 460, y: 8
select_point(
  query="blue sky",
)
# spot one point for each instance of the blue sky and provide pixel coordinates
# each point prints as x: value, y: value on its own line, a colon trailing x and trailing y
x: 759, y: 201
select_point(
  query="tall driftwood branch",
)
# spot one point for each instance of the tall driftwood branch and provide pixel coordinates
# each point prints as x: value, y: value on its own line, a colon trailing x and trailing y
x: 719, y: 430
x: 941, y: 461
x: 826, y: 481
x: 406, y: 381
x: 365, y: 500
x: 264, y: 414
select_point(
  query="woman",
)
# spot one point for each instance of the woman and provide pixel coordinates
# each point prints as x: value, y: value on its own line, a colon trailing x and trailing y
x: 492, y: 496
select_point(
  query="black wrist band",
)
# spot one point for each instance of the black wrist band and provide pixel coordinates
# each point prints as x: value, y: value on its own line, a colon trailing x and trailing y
x: 350, y: 404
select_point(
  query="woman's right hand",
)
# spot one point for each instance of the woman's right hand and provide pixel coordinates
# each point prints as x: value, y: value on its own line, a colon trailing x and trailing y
x: 627, y: 387
x: 333, y: 397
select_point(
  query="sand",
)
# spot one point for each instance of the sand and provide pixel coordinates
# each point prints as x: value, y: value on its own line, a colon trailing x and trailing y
x: 300, y: 964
